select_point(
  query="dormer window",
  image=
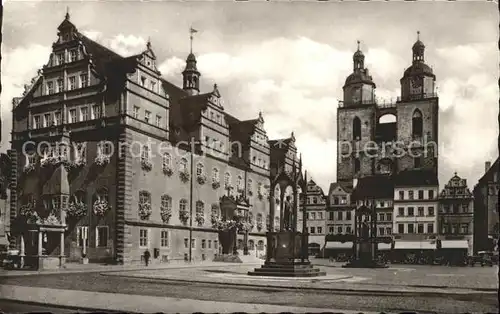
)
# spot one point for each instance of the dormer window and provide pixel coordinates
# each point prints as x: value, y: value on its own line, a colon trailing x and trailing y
x: 143, y: 81
x: 73, y: 55
x: 60, y: 58
x: 50, y: 88
x: 84, y: 80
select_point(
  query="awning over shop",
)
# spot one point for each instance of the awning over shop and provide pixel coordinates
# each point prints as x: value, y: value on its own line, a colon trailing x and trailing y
x: 414, y: 245
x: 384, y: 246
x: 338, y: 245
x: 454, y: 244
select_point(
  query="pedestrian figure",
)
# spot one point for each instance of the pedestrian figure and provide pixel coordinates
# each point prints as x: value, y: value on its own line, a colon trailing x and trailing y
x: 147, y: 255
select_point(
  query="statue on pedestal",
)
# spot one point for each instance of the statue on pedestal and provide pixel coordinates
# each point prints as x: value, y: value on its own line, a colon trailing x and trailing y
x: 288, y: 214
x: 365, y: 231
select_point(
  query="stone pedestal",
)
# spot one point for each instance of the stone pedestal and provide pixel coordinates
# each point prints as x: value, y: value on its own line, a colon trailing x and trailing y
x: 364, y: 257
x: 287, y: 257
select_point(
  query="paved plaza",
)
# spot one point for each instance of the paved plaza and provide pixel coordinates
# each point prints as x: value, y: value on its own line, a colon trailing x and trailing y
x: 218, y: 287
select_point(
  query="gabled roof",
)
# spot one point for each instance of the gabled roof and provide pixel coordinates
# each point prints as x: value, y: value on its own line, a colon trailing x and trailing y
x: 421, y: 177
x: 335, y: 185
x: 494, y: 168
x: 374, y: 187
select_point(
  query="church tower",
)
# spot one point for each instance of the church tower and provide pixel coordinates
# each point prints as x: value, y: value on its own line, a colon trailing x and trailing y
x: 355, y: 122
x: 417, y: 114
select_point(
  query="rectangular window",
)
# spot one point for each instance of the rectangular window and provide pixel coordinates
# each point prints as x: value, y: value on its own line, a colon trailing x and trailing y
x: 410, y: 195
x: 465, y: 228
x: 73, y: 55
x: 72, y: 116
x: 186, y: 243
x: 348, y: 229
x: 401, y: 228
x: 58, y: 118
x: 209, y: 244
x: 381, y: 231
x: 82, y: 233
x: 410, y: 212
x: 320, y: 230
x: 417, y: 162
x: 101, y: 236
x: 401, y: 211
x: 343, y: 200
x: 339, y: 216
x: 153, y: 86
x: 320, y: 216
x: 330, y: 215
x: 430, y: 228
x: 389, y: 216
x: 401, y: 195
x: 96, y: 112
x: 84, y: 113
x: 143, y: 238
x: 388, y: 230
x: 431, y: 194
x: 216, y: 244
x: 47, y: 120
x: 72, y: 83
x: 313, y: 230
x: 84, y: 80
x: 411, y: 228
x: 60, y: 85
x: 164, y: 238
x: 420, y: 195
x: 193, y: 243
x: 348, y: 216
x: 420, y: 211
x: 136, y: 112
x: 430, y: 211
x: 60, y: 58
x: 465, y: 208
x: 420, y: 228
x: 331, y: 230
x: 313, y: 216
x: 50, y: 88
x: 158, y: 121
x: 147, y: 116
x: 143, y: 81
x: 339, y: 229
x: 381, y: 217
x: 203, y: 243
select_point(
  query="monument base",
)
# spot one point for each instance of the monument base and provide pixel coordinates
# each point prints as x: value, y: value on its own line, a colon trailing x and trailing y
x: 286, y: 257
x: 228, y: 258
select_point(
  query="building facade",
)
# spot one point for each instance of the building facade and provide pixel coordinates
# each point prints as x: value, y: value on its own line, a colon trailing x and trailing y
x: 4, y: 199
x: 128, y: 161
x: 340, y: 210
x: 415, y: 205
x: 315, y: 207
x: 456, y: 215
x: 486, y: 220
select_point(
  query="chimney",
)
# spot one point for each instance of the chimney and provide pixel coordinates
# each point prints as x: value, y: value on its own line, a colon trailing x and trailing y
x: 487, y: 166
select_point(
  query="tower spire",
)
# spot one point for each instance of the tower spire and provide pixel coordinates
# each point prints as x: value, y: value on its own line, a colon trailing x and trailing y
x: 191, y: 32
x: 418, y: 35
x: 67, y: 13
x: 358, y: 44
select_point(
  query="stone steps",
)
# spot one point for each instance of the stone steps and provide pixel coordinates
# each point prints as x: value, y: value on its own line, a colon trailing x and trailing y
x: 287, y: 269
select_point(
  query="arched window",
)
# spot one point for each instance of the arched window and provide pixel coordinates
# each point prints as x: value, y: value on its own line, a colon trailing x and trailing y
x: 102, y: 194
x: 357, y: 165
x: 167, y: 160
x: 215, y: 175
x: 183, y: 165
x: 259, y: 218
x: 144, y: 197
x: 239, y: 183
x: 166, y: 203
x: 215, y: 209
x: 79, y: 197
x: 260, y: 245
x: 145, y: 153
x: 183, y: 205
x: 227, y: 180
x: 356, y: 129
x: 200, y: 208
x: 199, y: 169
x: 417, y: 124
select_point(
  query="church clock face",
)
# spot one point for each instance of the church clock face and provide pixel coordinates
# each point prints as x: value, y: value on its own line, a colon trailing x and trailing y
x: 416, y: 84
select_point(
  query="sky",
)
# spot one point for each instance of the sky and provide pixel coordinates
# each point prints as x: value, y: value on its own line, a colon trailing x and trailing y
x: 289, y: 60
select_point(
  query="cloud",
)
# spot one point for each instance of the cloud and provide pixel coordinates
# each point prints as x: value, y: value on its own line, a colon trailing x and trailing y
x: 124, y: 45
x: 19, y: 67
